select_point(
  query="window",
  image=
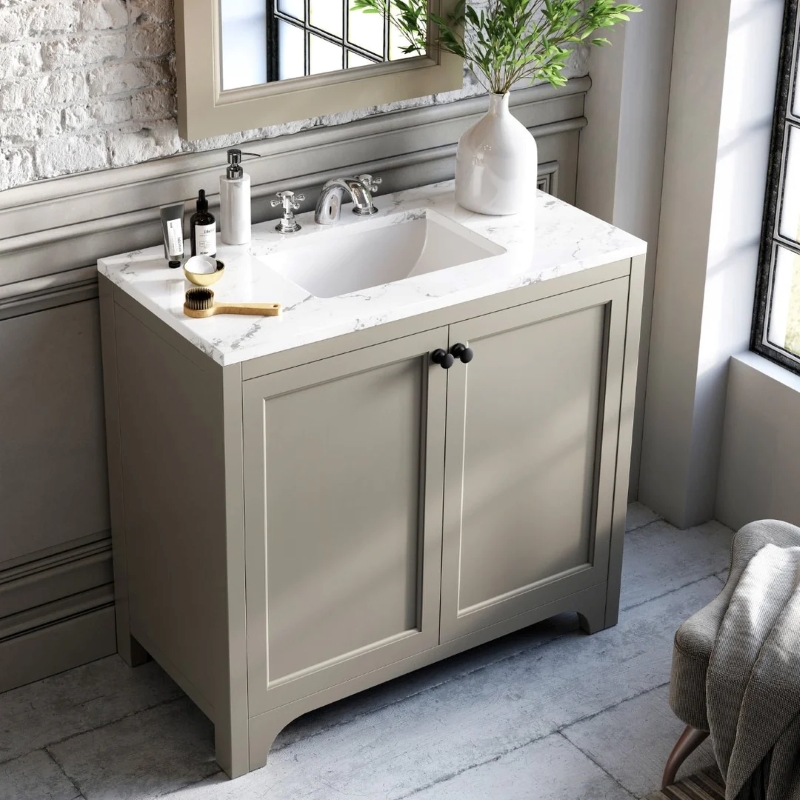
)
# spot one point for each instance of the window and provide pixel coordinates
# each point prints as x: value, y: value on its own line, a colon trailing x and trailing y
x: 776, y: 328
x: 274, y: 40
x: 315, y: 36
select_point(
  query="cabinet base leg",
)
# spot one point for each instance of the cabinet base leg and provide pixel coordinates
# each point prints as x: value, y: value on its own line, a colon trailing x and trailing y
x: 592, y: 620
x: 264, y: 729
x: 131, y: 652
x: 231, y: 751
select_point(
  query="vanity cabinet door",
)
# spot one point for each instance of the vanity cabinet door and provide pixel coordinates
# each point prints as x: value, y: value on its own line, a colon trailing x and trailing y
x: 344, y: 465
x: 532, y: 426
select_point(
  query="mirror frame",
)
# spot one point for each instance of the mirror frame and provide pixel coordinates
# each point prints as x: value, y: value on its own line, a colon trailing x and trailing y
x: 205, y: 110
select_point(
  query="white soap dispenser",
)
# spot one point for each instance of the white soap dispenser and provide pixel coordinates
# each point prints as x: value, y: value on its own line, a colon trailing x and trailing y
x: 234, y: 201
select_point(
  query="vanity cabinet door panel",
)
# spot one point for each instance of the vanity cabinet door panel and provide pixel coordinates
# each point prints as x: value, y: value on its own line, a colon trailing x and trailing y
x: 532, y: 427
x: 344, y: 464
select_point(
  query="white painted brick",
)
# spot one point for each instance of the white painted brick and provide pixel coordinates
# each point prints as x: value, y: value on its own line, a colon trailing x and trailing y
x: 53, y: 16
x: 64, y: 155
x: 152, y: 41
x: 14, y: 24
x: 116, y: 78
x: 27, y: 126
x: 75, y: 52
x: 152, y: 10
x: 58, y: 88
x: 18, y: 60
x: 61, y: 88
x: 104, y: 113
x: 99, y: 15
x: 112, y: 112
x: 17, y: 94
x: 158, y: 103
x: 16, y: 167
x: 77, y: 118
x: 156, y: 141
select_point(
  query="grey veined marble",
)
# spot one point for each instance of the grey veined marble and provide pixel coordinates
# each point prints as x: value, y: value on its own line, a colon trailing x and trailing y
x: 548, y: 240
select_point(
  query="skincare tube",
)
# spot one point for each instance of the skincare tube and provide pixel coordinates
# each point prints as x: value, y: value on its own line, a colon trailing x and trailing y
x: 172, y: 225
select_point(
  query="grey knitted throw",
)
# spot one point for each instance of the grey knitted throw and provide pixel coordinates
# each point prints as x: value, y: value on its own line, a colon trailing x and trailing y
x: 753, y: 681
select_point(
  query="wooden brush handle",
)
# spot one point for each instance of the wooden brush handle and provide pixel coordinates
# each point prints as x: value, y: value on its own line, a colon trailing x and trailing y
x: 255, y: 309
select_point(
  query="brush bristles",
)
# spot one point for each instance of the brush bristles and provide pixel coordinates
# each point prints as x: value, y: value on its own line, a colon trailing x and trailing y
x: 199, y: 299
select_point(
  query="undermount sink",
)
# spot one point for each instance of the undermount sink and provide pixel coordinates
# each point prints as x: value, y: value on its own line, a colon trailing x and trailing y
x: 375, y: 252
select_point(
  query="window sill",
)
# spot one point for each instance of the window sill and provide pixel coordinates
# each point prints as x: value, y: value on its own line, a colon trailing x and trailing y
x: 769, y: 369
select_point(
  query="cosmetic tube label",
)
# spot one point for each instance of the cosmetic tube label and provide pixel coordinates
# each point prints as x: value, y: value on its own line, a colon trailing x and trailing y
x: 174, y: 238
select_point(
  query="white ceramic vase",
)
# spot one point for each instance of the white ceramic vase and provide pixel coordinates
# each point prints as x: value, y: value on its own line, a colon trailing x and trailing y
x: 496, y: 163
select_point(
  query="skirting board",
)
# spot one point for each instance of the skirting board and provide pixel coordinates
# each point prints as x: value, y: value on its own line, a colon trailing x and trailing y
x: 57, y: 647
x: 67, y: 573
x: 56, y: 612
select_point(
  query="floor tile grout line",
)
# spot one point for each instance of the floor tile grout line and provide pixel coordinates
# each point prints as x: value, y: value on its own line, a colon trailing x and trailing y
x: 92, y: 730
x: 75, y: 784
x: 491, y: 760
x: 521, y: 746
x: 609, y: 708
x: 193, y: 783
x: 597, y: 764
x: 645, y: 525
x: 666, y: 594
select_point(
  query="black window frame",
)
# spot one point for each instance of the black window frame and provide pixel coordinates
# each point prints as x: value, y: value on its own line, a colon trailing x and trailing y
x: 771, y: 238
x: 274, y: 16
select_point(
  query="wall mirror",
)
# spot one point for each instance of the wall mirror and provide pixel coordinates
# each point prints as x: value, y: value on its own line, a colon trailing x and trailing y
x: 245, y: 64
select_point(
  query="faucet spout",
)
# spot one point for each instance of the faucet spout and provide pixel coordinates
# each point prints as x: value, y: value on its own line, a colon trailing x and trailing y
x: 359, y: 190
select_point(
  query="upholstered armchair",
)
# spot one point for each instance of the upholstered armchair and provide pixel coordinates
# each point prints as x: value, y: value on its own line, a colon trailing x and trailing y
x: 695, y: 640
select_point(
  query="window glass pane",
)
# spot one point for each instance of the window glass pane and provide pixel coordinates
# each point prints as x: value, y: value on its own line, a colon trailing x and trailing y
x: 325, y: 56
x: 291, y: 51
x: 294, y: 8
x: 328, y: 15
x: 790, y: 207
x: 355, y: 60
x: 244, y: 43
x: 399, y: 40
x: 784, y: 321
x: 366, y: 31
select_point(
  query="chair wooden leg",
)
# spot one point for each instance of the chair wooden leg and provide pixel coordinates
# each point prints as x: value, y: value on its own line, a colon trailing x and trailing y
x: 687, y: 743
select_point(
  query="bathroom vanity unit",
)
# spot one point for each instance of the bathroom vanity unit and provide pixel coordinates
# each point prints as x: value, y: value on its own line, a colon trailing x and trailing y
x: 428, y: 450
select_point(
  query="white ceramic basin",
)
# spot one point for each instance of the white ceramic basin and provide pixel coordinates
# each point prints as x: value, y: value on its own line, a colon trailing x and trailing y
x: 374, y: 252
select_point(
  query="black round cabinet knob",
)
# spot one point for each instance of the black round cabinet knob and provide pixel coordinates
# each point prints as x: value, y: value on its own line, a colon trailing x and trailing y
x: 442, y: 358
x: 463, y: 353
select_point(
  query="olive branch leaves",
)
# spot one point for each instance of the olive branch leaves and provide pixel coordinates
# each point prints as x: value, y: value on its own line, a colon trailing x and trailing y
x: 506, y: 41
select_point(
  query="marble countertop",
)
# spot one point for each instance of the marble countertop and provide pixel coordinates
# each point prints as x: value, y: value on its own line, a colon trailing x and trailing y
x: 549, y: 240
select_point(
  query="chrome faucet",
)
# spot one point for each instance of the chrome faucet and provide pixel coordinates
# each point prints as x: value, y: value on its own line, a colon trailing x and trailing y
x: 360, y: 189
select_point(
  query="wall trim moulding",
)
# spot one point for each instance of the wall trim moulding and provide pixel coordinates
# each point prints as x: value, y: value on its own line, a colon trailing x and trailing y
x: 57, y: 612
x: 51, y: 231
x: 44, y: 580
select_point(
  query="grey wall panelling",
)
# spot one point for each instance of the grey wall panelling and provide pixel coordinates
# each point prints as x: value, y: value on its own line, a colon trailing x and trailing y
x: 56, y: 586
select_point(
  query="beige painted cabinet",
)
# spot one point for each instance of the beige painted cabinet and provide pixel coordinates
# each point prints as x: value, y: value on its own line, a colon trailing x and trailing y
x: 317, y: 522
x: 532, y: 425
x: 343, y: 503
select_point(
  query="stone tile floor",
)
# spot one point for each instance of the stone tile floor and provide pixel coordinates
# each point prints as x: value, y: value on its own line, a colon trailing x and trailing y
x: 547, y: 713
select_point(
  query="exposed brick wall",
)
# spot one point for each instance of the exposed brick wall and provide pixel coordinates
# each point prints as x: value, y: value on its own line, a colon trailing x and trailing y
x: 84, y: 85
x: 90, y: 84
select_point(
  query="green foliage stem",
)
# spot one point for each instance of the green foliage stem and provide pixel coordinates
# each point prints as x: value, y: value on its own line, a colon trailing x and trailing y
x: 506, y: 41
